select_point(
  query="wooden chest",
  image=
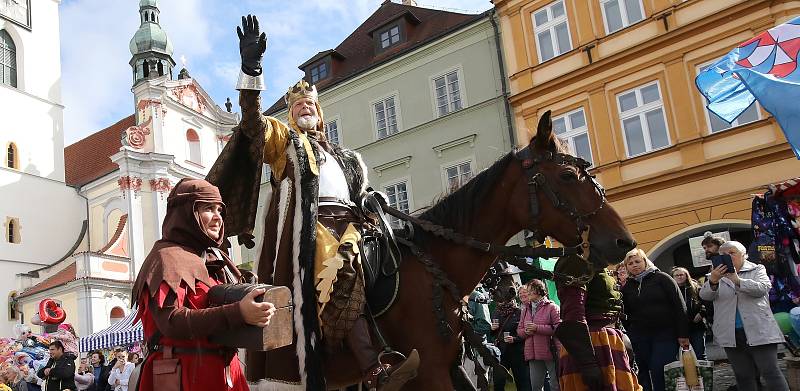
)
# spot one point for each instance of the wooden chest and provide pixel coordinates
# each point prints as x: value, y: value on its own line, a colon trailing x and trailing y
x: 279, y: 331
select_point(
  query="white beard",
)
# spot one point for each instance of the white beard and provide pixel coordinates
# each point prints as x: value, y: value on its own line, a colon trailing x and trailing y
x: 307, y: 122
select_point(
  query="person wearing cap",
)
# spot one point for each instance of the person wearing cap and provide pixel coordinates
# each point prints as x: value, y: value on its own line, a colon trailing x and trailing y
x: 171, y: 292
x: 312, y: 229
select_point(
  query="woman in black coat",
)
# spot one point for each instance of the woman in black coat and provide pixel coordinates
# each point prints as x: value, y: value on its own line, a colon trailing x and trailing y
x: 656, y: 318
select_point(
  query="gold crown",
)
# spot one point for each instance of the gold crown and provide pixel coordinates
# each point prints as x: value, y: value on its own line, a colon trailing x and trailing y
x: 300, y: 90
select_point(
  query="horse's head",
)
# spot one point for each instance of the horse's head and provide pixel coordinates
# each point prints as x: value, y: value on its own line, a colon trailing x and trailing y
x: 560, y: 199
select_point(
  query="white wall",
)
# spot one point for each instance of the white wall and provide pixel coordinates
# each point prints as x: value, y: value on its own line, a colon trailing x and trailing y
x: 50, y: 216
x: 31, y: 115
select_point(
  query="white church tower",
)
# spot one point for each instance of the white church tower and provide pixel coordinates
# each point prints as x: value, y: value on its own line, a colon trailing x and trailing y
x: 123, y: 174
x: 42, y: 219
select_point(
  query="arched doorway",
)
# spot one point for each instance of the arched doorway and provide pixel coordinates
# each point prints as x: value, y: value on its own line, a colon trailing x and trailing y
x: 674, y: 249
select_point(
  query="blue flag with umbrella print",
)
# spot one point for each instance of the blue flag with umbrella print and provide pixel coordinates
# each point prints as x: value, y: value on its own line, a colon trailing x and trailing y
x: 763, y: 68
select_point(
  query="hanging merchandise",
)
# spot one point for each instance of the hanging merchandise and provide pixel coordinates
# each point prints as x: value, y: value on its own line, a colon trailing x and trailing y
x: 762, y: 250
x: 777, y: 240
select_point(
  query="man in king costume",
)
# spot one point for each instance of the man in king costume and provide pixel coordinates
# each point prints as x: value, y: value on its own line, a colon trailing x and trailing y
x: 311, y: 231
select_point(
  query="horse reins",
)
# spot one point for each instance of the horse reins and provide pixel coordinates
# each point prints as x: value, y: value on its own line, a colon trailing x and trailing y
x: 538, y: 182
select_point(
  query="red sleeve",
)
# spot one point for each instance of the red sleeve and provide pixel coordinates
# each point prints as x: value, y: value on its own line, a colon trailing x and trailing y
x: 179, y: 322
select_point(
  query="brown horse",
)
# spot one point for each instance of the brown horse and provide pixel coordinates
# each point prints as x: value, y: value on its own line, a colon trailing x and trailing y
x: 494, y: 206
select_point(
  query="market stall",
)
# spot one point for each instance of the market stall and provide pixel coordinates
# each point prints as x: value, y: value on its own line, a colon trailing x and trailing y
x: 123, y: 333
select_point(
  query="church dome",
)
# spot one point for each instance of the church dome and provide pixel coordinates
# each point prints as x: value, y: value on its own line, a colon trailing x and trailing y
x: 148, y: 3
x: 150, y: 37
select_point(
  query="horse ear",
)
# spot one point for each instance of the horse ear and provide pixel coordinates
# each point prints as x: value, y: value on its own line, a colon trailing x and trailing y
x: 544, y: 133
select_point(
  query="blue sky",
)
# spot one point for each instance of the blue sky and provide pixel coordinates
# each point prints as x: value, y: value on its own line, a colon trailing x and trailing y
x: 96, y: 77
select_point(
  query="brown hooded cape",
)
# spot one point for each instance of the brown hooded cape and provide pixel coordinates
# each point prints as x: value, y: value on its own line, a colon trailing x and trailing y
x: 176, y: 258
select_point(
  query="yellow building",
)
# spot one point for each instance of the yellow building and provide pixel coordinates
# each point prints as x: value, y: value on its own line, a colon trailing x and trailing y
x: 618, y: 76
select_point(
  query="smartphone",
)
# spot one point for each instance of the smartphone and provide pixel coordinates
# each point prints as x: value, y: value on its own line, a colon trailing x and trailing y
x: 722, y: 259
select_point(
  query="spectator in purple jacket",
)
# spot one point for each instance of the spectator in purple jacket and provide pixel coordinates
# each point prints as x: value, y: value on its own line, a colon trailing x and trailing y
x: 538, y: 321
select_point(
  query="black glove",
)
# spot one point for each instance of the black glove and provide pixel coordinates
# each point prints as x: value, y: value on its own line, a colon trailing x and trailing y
x: 251, y: 45
x: 574, y: 336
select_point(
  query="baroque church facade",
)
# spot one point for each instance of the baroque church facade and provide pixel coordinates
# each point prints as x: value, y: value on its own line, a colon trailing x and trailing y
x: 119, y: 178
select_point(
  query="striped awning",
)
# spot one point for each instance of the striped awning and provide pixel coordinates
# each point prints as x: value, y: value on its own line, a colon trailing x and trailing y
x: 123, y: 332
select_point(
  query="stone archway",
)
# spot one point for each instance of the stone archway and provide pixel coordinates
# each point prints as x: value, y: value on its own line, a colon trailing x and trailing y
x: 673, y: 250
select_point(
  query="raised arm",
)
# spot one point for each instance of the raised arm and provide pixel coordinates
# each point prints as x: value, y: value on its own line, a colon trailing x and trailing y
x: 254, y: 125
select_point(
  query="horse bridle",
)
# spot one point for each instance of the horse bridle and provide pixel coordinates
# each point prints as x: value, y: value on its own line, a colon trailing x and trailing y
x: 537, y: 182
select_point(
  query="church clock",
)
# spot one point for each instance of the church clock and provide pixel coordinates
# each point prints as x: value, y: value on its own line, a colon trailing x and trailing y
x: 17, y: 11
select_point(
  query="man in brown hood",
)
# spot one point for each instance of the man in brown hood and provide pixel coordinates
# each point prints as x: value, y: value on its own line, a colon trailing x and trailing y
x: 171, y: 292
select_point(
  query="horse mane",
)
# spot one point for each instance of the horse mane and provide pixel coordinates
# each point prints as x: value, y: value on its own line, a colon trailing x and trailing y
x: 450, y: 210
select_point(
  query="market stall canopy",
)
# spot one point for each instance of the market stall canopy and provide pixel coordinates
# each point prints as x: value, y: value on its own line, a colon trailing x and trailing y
x: 124, y: 332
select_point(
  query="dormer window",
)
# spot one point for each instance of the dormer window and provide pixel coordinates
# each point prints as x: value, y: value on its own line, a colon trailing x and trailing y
x: 319, y: 72
x: 390, y: 36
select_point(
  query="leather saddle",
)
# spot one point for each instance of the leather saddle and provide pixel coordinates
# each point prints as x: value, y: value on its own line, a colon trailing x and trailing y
x: 381, y: 255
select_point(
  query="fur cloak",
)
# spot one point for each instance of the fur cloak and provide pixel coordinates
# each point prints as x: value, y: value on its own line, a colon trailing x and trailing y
x: 286, y: 256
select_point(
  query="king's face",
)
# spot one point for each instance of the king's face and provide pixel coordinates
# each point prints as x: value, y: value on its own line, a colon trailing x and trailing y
x: 304, y: 107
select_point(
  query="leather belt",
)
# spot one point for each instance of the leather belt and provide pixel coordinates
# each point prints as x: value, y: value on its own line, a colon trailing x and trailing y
x: 198, y: 350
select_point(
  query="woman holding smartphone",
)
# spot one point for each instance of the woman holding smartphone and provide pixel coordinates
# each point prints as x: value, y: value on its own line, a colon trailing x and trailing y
x: 743, y: 321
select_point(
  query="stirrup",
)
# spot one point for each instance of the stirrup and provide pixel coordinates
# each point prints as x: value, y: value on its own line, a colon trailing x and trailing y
x: 399, y: 375
x: 390, y: 352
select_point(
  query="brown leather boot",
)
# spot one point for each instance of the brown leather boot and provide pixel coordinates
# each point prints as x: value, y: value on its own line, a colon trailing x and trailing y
x: 377, y: 375
x: 386, y: 377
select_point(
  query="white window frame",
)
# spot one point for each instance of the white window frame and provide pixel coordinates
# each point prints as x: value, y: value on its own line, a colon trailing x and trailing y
x: 550, y: 25
x: 407, y: 181
x: 735, y: 123
x: 444, y: 167
x: 570, y: 134
x: 338, y: 120
x: 397, y: 114
x: 462, y: 94
x: 624, y: 12
x: 640, y: 111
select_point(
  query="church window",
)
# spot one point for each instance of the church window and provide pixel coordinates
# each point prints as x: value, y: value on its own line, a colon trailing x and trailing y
x: 12, y: 156
x: 160, y: 68
x: 12, y: 230
x: 12, y: 306
x: 116, y: 315
x: 193, y: 140
x: 8, y: 60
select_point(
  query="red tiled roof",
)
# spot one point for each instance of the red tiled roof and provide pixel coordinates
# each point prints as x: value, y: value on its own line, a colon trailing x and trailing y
x: 68, y: 274
x: 89, y: 159
x: 357, y: 53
